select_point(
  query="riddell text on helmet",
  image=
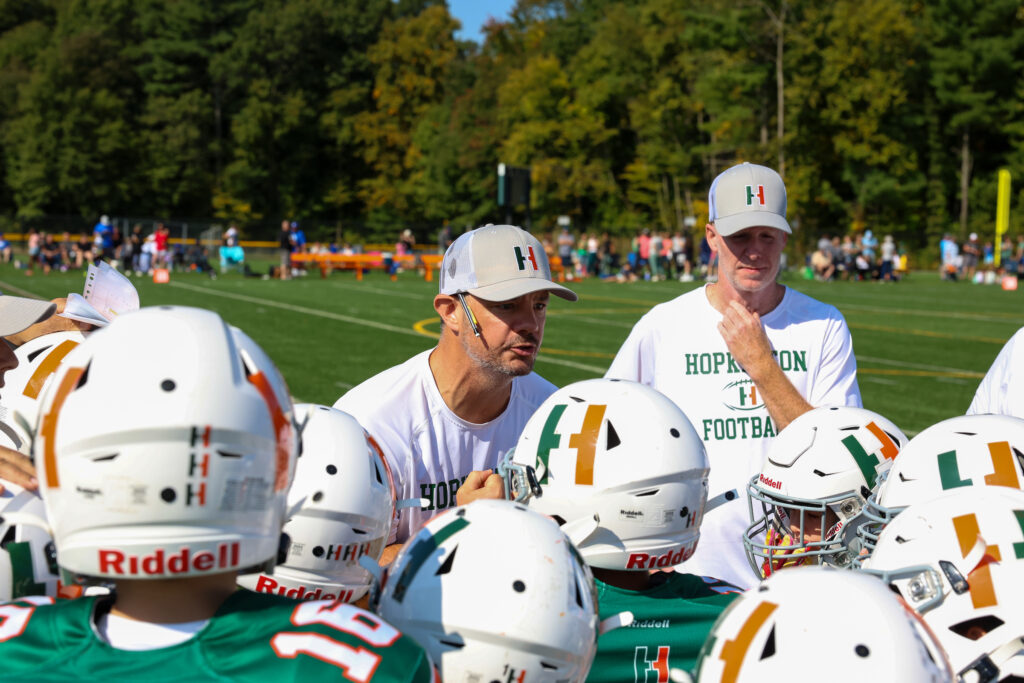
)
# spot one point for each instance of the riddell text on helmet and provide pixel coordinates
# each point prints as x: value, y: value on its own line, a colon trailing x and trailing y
x: 669, y: 559
x: 265, y: 584
x: 159, y: 563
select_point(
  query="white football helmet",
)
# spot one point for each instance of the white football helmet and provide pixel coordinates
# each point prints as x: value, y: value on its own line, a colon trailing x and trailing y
x: 780, y: 632
x: 813, y: 481
x: 621, y: 454
x: 28, y: 559
x: 958, y: 560
x: 38, y: 360
x: 969, y: 450
x: 165, y: 449
x: 341, y: 507
x: 493, y: 591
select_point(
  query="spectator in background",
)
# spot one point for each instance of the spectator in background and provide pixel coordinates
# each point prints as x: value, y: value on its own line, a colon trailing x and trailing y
x: 971, y: 255
x: 49, y: 254
x: 117, y: 247
x: 286, y: 245
x: 444, y: 238
x: 231, y: 236
x: 160, y: 236
x: 888, y: 250
x: 103, y: 238
x: 593, y: 247
x: 1006, y: 255
x: 67, y: 250
x: 950, y: 254
x: 85, y: 251
x: 654, y: 258
x: 5, y: 249
x: 135, y: 240
x: 565, y: 245
x: 643, y: 243
x: 868, y: 245
x: 298, y: 238
x: 35, y: 241
x: 821, y: 263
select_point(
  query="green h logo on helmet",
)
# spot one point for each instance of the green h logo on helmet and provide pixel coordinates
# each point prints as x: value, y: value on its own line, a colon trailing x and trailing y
x: 521, y: 259
x: 755, y: 194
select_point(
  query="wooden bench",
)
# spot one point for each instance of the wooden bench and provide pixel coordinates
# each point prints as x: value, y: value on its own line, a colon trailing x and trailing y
x: 363, y: 262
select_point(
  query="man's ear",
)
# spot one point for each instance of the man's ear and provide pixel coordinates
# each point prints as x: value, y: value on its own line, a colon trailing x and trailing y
x: 447, y: 308
x: 710, y: 233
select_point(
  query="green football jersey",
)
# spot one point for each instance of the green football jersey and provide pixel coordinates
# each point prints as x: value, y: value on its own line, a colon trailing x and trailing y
x: 253, y: 637
x: 671, y: 621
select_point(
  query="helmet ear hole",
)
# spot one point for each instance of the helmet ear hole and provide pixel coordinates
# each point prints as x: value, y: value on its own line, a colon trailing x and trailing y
x: 769, y: 645
x: 446, y: 566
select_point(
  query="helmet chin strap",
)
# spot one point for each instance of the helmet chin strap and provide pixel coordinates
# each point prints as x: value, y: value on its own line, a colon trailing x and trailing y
x: 720, y: 499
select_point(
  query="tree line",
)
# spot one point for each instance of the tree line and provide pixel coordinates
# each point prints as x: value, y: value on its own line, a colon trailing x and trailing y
x: 893, y: 115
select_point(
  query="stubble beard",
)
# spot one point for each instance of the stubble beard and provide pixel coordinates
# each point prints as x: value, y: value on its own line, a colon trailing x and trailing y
x: 493, y: 364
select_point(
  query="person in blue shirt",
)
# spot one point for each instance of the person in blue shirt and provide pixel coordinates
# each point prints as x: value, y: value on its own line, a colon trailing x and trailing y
x: 103, y: 236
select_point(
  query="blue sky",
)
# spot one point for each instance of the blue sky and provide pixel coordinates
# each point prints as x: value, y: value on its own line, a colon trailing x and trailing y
x: 474, y: 13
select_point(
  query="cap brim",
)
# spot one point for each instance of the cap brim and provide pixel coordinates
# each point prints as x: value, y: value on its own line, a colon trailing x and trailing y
x: 18, y: 313
x: 513, y: 289
x: 730, y: 225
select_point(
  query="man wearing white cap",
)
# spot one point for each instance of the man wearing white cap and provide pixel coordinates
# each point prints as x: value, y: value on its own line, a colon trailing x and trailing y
x: 742, y: 357
x: 17, y: 315
x: 446, y: 416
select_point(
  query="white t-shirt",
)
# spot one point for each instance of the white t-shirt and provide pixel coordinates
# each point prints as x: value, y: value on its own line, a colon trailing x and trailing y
x: 998, y: 393
x: 429, y: 448
x: 131, y: 634
x: 677, y: 349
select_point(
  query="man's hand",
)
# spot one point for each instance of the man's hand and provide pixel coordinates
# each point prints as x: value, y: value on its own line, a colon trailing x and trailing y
x: 745, y: 336
x: 54, y: 323
x: 748, y: 343
x: 480, y: 485
x: 17, y: 469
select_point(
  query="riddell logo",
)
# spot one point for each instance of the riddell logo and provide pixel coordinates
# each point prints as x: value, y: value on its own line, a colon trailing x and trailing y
x: 769, y: 482
x: 669, y: 559
x: 268, y: 585
x: 158, y: 562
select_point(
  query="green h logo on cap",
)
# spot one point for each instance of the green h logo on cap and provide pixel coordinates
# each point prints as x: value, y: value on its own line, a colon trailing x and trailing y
x: 521, y: 259
x: 751, y: 194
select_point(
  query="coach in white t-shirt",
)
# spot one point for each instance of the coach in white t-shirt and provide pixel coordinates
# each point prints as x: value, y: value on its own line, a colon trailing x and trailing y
x: 742, y: 357
x: 1000, y: 392
x: 448, y: 415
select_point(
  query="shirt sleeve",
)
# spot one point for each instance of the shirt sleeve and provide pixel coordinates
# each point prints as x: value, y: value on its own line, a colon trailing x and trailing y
x: 635, y: 359
x: 836, y: 376
x: 991, y: 394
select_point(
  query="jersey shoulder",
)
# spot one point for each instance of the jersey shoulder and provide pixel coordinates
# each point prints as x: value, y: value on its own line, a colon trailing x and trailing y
x: 309, y: 640
x: 38, y: 635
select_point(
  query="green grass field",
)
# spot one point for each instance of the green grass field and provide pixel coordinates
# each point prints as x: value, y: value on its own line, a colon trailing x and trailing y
x: 922, y: 345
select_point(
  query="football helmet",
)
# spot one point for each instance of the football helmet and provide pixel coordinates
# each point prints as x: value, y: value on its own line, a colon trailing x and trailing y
x: 28, y: 560
x: 494, y: 591
x: 621, y: 454
x: 165, y: 449
x: 38, y: 360
x: 958, y: 560
x: 341, y: 507
x: 779, y: 632
x: 969, y: 450
x: 813, y: 481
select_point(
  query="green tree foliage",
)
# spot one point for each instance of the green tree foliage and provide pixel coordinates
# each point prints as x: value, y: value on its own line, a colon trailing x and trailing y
x: 888, y: 114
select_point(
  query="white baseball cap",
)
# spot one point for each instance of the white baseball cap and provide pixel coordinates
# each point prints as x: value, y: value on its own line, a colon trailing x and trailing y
x: 18, y: 313
x: 746, y: 196
x: 498, y: 263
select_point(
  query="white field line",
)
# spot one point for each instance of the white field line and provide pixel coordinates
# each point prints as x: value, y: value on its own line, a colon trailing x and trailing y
x: 907, y: 364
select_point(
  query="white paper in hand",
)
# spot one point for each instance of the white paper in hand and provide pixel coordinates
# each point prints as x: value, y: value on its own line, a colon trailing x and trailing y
x: 107, y: 294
